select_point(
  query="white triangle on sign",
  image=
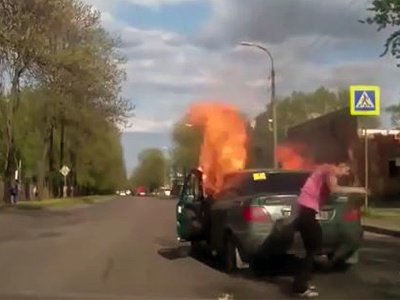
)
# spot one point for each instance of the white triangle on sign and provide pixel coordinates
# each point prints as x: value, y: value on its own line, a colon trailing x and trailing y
x: 364, y: 101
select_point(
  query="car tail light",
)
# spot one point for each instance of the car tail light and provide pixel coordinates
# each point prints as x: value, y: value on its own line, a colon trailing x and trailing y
x: 256, y: 214
x: 351, y: 213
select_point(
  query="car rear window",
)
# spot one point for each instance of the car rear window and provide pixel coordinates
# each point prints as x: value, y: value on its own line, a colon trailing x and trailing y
x: 247, y: 184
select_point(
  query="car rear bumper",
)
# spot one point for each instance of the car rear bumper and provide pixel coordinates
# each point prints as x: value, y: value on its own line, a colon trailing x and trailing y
x: 340, y: 245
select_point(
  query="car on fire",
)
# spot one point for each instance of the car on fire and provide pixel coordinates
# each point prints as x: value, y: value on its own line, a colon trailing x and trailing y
x: 244, y: 221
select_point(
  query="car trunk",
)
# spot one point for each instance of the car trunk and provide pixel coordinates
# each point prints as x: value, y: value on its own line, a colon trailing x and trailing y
x: 340, y: 213
x: 285, y: 206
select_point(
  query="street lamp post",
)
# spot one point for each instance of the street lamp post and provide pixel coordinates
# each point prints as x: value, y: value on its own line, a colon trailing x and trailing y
x: 273, y: 103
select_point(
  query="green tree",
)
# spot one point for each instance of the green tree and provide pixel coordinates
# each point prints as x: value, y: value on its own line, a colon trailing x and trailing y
x: 98, y: 164
x: 24, y: 26
x: 84, y: 80
x: 187, y: 141
x: 151, y: 170
x: 386, y: 13
x: 64, y: 96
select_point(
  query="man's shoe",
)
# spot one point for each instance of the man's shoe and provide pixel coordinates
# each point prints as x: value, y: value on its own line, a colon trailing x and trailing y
x: 323, y: 261
x: 309, y: 293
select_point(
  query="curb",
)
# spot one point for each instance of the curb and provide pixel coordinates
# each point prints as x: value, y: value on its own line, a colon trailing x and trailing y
x: 380, y: 230
x: 78, y: 206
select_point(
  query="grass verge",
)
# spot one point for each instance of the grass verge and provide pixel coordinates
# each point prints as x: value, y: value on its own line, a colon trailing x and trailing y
x: 382, y: 216
x: 61, y: 202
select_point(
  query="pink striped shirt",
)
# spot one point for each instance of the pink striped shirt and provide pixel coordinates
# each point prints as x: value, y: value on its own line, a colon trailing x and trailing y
x: 315, y: 190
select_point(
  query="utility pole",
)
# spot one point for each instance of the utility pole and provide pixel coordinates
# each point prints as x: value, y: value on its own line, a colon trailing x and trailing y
x: 272, y: 100
x: 366, y: 167
x: 274, y: 120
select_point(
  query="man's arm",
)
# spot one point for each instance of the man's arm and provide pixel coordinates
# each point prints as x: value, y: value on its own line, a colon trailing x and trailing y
x: 335, y: 188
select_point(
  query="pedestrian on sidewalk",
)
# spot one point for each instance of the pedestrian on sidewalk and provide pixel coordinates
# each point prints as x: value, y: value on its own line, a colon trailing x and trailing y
x: 317, y: 188
x: 14, y: 193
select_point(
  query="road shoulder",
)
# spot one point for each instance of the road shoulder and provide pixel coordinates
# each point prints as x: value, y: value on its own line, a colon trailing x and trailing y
x: 63, y: 203
x: 382, y: 221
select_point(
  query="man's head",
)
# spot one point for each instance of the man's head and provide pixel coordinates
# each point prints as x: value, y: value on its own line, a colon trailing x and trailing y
x: 341, y: 169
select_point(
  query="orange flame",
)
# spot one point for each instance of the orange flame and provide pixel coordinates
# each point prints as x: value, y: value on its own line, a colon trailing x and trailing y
x: 294, y: 156
x: 224, y: 143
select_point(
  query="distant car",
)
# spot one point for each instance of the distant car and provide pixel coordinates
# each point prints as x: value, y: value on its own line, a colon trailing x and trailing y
x: 164, y: 192
x: 244, y: 223
x: 122, y: 193
x: 141, y: 191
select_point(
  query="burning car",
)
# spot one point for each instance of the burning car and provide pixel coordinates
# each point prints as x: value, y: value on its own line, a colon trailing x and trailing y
x: 244, y: 216
x: 243, y: 222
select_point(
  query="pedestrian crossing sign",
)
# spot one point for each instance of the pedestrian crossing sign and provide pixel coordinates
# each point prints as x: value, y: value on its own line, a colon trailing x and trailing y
x: 364, y: 100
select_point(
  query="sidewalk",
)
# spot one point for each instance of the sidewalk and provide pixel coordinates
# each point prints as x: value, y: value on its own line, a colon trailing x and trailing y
x: 387, y: 223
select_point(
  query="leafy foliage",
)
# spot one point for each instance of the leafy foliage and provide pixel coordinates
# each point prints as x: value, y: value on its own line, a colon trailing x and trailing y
x: 151, y: 170
x: 386, y: 13
x: 63, y: 104
x: 187, y: 141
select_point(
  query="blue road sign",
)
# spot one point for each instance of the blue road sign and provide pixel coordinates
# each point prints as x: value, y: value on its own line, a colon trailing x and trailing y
x: 364, y: 100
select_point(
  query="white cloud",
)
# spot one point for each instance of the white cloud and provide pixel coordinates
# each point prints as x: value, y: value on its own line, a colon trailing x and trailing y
x: 147, y: 125
x: 106, y: 5
x: 276, y: 20
x: 158, y: 3
x: 313, y: 44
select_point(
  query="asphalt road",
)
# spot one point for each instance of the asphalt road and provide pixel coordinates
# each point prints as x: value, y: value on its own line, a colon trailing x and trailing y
x: 126, y: 249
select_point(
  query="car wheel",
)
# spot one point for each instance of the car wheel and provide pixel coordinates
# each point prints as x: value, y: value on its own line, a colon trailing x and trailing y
x: 229, y: 255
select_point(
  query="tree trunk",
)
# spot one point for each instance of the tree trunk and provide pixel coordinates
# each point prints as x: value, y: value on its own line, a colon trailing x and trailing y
x: 73, y: 176
x: 10, y: 164
x: 42, y: 164
x: 62, y: 143
x: 8, y: 177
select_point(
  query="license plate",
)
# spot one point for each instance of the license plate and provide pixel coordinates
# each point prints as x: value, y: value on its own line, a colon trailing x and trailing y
x: 286, y: 212
x: 323, y: 215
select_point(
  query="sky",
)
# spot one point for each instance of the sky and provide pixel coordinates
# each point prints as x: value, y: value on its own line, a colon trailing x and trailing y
x: 181, y: 51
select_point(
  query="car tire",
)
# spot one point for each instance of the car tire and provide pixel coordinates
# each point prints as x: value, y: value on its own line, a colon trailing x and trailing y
x: 229, y: 254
